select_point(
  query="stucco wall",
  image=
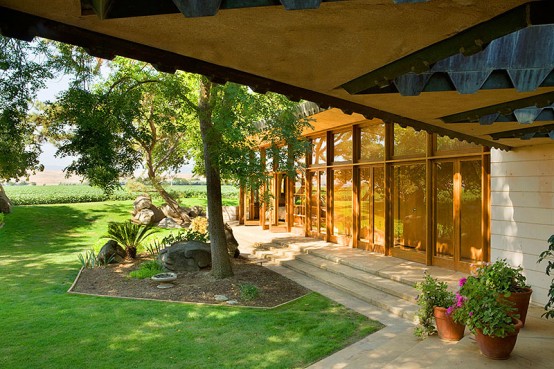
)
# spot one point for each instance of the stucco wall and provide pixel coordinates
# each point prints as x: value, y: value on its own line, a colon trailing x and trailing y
x: 522, y: 204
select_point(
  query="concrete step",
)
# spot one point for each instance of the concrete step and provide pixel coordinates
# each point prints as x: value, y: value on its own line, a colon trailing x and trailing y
x: 395, y: 305
x: 386, y: 285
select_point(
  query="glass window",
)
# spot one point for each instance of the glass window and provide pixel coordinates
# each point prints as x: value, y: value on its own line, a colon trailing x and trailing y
x: 319, y: 151
x: 342, y: 202
x: 409, y: 207
x: 372, y: 142
x: 299, y: 212
x: 372, y: 205
x: 471, y: 211
x: 444, y: 209
x: 342, y: 146
x: 409, y: 142
x: 448, y: 144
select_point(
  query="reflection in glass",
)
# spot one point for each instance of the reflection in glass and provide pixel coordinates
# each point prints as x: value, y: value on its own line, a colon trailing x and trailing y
x: 299, y: 199
x: 408, y: 142
x: 448, y: 144
x: 318, y: 202
x: 471, y: 211
x: 372, y: 205
x: 444, y: 209
x: 372, y: 139
x: 342, y: 146
x: 319, y: 151
x: 342, y: 202
x: 409, y: 207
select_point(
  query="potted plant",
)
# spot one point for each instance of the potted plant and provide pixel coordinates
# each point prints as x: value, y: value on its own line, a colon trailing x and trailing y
x: 549, y: 253
x: 433, y: 301
x: 509, y: 282
x: 488, y: 316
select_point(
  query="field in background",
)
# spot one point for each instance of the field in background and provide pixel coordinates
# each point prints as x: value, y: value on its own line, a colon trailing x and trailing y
x: 66, y: 194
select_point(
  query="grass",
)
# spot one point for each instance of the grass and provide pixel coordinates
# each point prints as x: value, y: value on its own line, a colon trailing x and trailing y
x: 44, y: 327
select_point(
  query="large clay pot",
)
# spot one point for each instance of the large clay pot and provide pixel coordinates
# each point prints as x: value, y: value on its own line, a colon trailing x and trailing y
x: 497, y: 348
x: 521, y: 303
x: 447, y: 328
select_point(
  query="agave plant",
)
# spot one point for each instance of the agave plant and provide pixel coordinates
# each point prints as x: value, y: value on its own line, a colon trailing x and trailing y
x: 129, y: 235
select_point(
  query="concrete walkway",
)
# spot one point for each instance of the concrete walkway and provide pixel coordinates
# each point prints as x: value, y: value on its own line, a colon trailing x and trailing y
x: 395, y: 345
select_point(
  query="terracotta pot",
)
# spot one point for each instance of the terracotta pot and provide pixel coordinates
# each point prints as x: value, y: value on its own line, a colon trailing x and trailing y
x: 497, y: 348
x: 447, y: 328
x: 521, y: 301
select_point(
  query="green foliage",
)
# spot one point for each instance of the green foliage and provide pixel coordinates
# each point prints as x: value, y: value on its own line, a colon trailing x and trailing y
x: 24, y: 71
x: 432, y: 293
x: 502, y: 277
x: 69, y: 194
x: 481, y: 307
x: 87, y: 259
x: 129, y: 235
x: 248, y: 292
x: 549, y: 254
x: 146, y: 270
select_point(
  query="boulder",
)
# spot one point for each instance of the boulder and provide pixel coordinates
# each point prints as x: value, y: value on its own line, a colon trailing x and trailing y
x: 168, y: 223
x: 111, y: 252
x: 145, y: 216
x: 5, y: 204
x: 188, y: 256
x: 232, y: 243
x: 169, y: 212
x: 142, y: 202
x: 158, y: 214
x: 196, y: 211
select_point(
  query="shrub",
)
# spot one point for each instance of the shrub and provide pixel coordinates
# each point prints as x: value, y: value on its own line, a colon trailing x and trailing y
x: 146, y: 270
x: 549, y: 253
x: 87, y: 259
x: 129, y: 235
x: 432, y: 293
x: 248, y: 292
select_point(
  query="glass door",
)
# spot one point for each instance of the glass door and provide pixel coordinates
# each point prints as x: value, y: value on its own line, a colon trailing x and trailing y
x: 318, y: 203
x: 252, y: 207
x: 372, y: 209
x: 458, y: 210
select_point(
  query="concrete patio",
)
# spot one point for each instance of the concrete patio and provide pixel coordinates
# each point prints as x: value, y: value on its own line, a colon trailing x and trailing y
x: 364, y: 282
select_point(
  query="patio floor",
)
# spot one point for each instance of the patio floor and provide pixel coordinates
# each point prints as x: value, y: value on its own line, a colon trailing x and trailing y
x: 395, y: 346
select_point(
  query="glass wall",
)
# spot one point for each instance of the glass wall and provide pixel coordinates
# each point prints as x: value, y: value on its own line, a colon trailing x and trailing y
x: 372, y: 142
x: 319, y: 151
x: 471, y: 211
x: 409, y: 142
x: 372, y: 208
x: 342, y: 202
x: 299, y: 202
x: 342, y: 146
x: 318, y: 203
x: 409, y: 207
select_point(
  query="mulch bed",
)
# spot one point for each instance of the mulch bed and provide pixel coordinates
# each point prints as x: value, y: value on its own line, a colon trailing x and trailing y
x: 197, y: 287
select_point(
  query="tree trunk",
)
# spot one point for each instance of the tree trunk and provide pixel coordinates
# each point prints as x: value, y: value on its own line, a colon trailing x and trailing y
x: 221, y: 265
x: 170, y: 201
x: 5, y: 203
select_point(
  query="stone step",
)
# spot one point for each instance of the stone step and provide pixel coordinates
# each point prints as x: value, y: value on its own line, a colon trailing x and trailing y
x: 397, y: 306
x: 386, y: 285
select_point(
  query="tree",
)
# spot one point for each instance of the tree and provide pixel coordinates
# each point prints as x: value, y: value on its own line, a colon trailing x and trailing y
x: 24, y: 69
x: 136, y: 115
x: 140, y: 105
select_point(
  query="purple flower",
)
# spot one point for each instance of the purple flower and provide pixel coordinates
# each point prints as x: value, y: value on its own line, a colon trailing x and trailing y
x: 471, y: 313
x: 450, y: 310
x: 462, y: 282
x: 459, y: 300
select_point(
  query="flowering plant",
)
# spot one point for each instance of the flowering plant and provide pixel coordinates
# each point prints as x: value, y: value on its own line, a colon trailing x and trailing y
x: 479, y: 306
x: 502, y: 277
x: 432, y: 293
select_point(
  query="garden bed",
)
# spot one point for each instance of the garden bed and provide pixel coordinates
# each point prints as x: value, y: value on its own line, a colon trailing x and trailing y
x: 196, y: 287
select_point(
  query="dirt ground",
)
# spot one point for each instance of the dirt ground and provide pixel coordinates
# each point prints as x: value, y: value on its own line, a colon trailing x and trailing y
x: 113, y: 280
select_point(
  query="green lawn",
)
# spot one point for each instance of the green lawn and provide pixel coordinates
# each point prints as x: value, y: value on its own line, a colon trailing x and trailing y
x: 44, y: 327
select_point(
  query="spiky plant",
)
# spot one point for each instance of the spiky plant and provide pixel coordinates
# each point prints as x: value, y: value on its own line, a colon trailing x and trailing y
x: 129, y: 235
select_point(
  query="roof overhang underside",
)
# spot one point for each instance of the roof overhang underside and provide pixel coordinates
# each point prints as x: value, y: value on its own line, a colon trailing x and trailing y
x: 362, y: 56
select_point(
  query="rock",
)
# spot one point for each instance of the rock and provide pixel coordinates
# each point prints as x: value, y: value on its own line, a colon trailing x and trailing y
x: 142, y: 202
x: 169, y: 212
x: 221, y: 298
x: 145, y: 216
x: 168, y: 223
x: 158, y: 214
x: 188, y: 256
x: 196, y: 211
x: 5, y: 204
x: 232, y: 302
x: 111, y: 252
x: 232, y: 243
